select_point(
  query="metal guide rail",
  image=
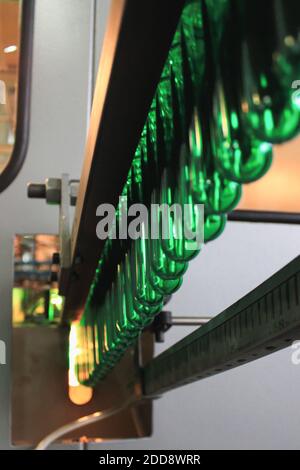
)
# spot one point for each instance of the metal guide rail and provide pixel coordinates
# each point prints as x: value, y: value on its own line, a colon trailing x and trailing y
x: 263, y: 321
x: 136, y: 44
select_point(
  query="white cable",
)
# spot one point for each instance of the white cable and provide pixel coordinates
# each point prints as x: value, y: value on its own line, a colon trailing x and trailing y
x: 80, y: 422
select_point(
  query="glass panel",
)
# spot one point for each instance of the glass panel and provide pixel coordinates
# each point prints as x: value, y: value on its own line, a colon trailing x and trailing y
x: 10, y: 13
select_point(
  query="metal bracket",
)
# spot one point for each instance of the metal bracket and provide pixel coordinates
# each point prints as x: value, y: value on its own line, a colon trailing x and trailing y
x: 164, y: 320
x: 64, y: 232
x: 62, y: 192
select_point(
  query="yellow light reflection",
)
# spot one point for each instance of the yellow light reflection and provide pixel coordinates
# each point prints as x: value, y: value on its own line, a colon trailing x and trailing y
x: 279, y: 189
x: 78, y: 394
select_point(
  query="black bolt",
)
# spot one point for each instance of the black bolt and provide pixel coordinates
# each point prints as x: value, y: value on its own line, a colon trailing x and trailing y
x: 54, y: 276
x: 36, y: 191
x: 56, y: 258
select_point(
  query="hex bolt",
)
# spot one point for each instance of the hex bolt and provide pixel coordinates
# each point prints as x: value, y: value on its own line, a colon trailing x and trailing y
x: 56, y: 258
x: 53, y: 190
x: 53, y: 276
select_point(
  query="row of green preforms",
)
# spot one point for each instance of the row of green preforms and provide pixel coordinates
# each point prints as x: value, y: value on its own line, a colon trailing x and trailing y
x: 226, y: 94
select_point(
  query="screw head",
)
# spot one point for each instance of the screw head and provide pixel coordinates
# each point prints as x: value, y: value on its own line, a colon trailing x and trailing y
x: 56, y: 258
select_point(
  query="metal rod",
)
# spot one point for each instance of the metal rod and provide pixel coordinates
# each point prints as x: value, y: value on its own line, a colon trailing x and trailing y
x: 266, y: 217
x: 189, y: 321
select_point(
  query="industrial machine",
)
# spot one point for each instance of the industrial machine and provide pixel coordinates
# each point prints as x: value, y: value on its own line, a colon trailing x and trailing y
x: 190, y: 99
